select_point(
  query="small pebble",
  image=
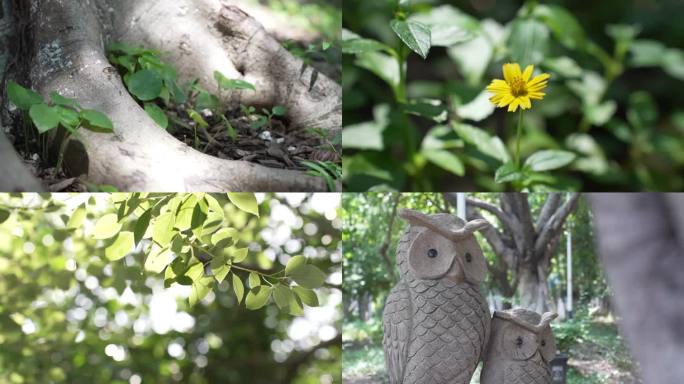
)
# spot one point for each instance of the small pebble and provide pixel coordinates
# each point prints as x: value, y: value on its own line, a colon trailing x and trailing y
x: 207, y: 112
x: 291, y: 148
x: 280, y: 140
x: 35, y: 157
x: 265, y: 135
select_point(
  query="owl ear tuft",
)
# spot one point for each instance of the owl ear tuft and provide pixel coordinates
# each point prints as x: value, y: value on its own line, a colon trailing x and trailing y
x: 547, y: 318
x: 423, y: 220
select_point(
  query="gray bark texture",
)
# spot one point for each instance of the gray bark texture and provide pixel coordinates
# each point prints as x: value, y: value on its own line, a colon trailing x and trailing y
x: 641, y: 242
x: 198, y: 37
x: 523, y: 246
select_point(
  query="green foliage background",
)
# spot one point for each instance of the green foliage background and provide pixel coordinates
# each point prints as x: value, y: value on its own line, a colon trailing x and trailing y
x: 612, y: 99
x: 66, y: 309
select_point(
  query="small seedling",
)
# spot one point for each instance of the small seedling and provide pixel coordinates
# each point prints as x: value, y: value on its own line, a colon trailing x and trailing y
x: 59, y: 111
x: 267, y: 117
x: 329, y: 171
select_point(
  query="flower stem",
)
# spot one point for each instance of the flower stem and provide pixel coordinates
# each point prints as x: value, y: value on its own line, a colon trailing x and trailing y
x: 517, y: 140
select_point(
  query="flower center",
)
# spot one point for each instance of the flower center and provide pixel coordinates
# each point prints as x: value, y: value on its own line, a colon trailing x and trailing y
x: 518, y: 87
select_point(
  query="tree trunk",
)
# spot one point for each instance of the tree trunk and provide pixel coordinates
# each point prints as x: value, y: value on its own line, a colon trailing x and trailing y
x: 533, y: 289
x: 640, y: 238
x: 199, y: 37
x: 523, y: 246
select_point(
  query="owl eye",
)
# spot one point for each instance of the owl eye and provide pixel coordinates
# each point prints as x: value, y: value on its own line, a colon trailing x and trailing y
x: 468, y: 257
x: 432, y: 253
x: 519, y: 341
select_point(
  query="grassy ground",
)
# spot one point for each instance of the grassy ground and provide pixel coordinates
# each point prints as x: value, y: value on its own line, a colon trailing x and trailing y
x: 597, y: 353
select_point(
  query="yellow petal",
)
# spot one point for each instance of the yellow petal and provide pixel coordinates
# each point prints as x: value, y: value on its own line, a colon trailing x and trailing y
x: 536, y: 95
x: 514, y: 105
x: 538, y: 79
x: 511, y: 71
x: 505, y: 101
x: 525, y: 102
x: 528, y: 72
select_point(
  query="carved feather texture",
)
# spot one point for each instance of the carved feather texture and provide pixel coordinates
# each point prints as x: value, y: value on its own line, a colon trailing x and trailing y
x: 435, y: 330
x: 527, y: 372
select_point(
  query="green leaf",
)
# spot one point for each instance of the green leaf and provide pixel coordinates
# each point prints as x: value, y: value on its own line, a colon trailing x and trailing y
x: 141, y: 226
x: 146, y: 85
x: 307, y: 296
x: 206, y: 100
x: 239, y: 254
x: 44, y: 117
x: 279, y: 110
x: 162, y: 229
x: 448, y: 25
x: 4, y: 215
x: 195, y: 272
x: 200, y: 289
x: 382, y: 65
x: 642, y: 112
x: 414, y: 34
x: 258, y: 297
x: 158, y: 258
x: 254, y: 280
x: 294, y: 263
x: 213, y: 204
x: 107, y: 226
x: 600, y: 114
x: 185, y: 213
x: 96, y: 120
x: 477, y: 109
x: 63, y: 101
x: 197, y: 118
x: 357, y: 45
x: 246, y: 201
x: 563, y: 24
x: 22, y: 97
x: 445, y: 160
x: 223, y: 237
x: 472, y: 57
x: 483, y: 141
x: 296, y: 308
x: 238, y: 288
x: 529, y: 41
x: 226, y: 83
x: 121, y: 246
x: 308, y: 276
x: 282, y: 296
x: 368, y: 135
x: 221, y: 272
x: 77, y: 218
x: 157, y: 114
x: 432, y: 109
x: 549, y: 159
x: 69, y: 118
x: 507, y: 173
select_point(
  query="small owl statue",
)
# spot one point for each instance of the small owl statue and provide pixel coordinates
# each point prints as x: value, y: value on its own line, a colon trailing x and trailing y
x: 520, y: 349
x: 436, y: 320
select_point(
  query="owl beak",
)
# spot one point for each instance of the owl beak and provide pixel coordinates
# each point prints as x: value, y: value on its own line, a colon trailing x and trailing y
x: 455, y: 273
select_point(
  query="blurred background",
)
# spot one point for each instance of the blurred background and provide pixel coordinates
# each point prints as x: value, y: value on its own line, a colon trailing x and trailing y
x: 566, y: 277
x: 69, y: 315
x: 612, y: 99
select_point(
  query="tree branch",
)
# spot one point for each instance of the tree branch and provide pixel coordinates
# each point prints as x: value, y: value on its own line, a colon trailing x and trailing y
x: 503, y: 217
x: 388, y: 237
x: 550, y: 206
x: 555, y: 224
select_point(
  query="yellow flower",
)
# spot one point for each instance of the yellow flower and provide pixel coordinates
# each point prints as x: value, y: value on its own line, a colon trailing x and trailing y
x: 517, y: 89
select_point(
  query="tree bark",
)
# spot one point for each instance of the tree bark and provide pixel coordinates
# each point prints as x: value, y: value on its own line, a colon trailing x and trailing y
x: 200, y: 36
x: 523, y: 246
x: 640, y: 238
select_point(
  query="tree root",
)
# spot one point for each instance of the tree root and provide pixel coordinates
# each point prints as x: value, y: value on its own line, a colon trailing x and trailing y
x: 14, y: 177
x: 200, y: 36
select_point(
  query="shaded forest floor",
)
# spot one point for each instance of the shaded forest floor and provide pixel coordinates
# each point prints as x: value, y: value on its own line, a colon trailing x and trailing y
x: 597, y: 353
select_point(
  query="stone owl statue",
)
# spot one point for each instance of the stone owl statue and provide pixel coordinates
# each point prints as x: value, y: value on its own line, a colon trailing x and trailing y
x: 436, y: 320
x: 520, y: 349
